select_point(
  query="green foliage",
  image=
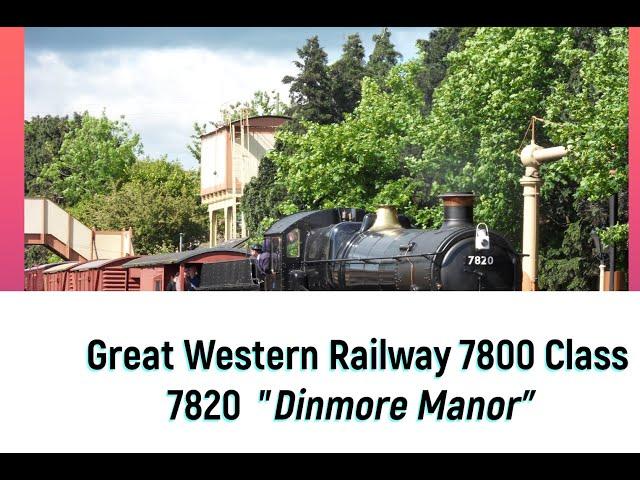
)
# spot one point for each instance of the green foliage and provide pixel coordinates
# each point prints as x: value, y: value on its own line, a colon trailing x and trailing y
x: 159, y: 201
x: 577, y: 81
x: 92, y: 168
x: 261, y: 198
x: 43, y: 138
x: 38, y: 255
x: 434, y: 53
x: 346, y: 76
x: 93, y: 159
x: 361, y: 160
x: 617, y: 235
x: 384, y: 56
x: 310, y: 90
x: 319, y: 94
x: 484, y: 85
x: 591, y: 115
x: 474, y: 130
x: 564, y: 267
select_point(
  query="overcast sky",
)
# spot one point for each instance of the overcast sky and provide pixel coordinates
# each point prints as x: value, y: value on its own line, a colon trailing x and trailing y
x: 164, y: 79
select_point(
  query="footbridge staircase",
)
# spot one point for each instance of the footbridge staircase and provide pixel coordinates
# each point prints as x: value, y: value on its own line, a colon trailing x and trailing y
x: 45, y: 223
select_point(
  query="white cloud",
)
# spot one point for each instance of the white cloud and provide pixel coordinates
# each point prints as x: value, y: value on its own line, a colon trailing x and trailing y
x: 160, y: 92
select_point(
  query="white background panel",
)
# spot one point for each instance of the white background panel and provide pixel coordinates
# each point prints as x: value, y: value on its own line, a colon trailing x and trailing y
x: 51, y: 400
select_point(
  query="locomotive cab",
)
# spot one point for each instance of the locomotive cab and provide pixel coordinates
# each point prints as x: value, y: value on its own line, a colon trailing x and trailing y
x: 286, y: 240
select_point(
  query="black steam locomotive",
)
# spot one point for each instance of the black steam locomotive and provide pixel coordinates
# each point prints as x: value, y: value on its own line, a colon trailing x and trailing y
x: 348, y: 249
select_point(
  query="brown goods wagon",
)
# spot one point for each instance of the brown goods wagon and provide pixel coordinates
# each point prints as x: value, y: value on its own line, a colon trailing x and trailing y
x: 57, y: 278
x: 153, y: 272
x: 34, y: 277
x: 103, y: 275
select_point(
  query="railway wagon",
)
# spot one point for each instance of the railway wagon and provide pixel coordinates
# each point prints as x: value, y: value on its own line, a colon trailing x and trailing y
x: 34, y: 277
x: 153, y: 272
x: 103, y: 276
x: 57, y: 278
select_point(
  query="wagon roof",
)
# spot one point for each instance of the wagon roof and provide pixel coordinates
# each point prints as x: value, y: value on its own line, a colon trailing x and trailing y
x: 45, y: 266
x: 61, y: 268
x: 178, y: 257
x: 235, y: 243
x: 97, y: 264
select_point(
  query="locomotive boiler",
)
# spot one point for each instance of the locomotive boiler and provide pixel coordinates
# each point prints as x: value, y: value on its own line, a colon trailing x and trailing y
x: 348, y: 249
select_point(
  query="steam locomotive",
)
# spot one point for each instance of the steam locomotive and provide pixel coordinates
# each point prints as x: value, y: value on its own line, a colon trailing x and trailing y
x: 349, y: 249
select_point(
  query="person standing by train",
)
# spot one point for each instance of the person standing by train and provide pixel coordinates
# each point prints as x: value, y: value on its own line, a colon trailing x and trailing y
x: 172, y: 283
x: 255, y: 251
x: 262, y: 263
x: 192, y: 280
x: 264, y: 259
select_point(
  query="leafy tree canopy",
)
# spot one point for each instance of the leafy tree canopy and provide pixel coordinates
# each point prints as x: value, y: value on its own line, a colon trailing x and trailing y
x: 475, y: 129
x: 361, y: 161
x: 261, y: 198
x: 159, y: 200
x: 93, y: 159
x: 43, y: 138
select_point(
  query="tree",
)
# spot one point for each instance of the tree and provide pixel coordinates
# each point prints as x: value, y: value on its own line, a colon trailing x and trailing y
x: 262, y: 197
x: 43, y: 137
x: 159, y: 201
x: 346, y: 76
x: 434, y: 53
x: 38, y: 255
x: 474, y: 131
x: 93, y: 159
x: 383, y: 57
x: 310, y: 90
x: 589, y: 113
x: 361, y: 161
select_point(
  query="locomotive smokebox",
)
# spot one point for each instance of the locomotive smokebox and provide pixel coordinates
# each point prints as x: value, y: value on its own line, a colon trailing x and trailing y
x: 458, y: 209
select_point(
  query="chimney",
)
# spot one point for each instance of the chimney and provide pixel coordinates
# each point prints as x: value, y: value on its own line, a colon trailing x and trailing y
x: 458, y: 209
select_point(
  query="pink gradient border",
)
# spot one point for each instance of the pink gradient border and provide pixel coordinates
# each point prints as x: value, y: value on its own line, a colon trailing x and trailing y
x: 11, y: 158
x: 634, y: 158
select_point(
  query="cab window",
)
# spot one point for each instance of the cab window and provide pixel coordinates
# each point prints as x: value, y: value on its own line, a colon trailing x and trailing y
x: 293, y: 243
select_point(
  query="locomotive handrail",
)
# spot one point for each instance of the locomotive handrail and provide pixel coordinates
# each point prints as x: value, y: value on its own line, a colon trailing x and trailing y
x: 365, y: 260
